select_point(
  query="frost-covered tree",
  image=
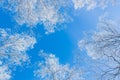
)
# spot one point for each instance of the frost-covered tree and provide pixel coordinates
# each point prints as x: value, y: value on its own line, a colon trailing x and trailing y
x: 13, y: 49
x: 91, y: 4
x: 51, y: 69
x: 5, y: 73
x: 104, y: 46
x: 50, y: 13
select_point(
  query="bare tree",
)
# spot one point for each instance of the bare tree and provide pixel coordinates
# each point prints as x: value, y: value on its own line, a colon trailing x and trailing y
x: 104, y: 46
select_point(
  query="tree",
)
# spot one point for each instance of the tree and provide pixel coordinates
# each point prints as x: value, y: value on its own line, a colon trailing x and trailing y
x: 13, y: 49
x: 91, y: 4
x: 51, y: 69
x: 51, y: 13
x: 33, y: 12
x: 104, y: 46
x: 5, y: 73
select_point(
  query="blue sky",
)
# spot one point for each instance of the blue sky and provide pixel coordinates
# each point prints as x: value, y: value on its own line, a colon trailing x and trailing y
x: 63, y: 43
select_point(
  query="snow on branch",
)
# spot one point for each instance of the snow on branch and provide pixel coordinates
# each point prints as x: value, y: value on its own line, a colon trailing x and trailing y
x: 51, y: 69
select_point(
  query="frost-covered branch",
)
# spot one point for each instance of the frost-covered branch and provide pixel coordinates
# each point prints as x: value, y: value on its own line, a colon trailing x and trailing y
x: 51, y: 69
x: 104, y: 45
x: 92, y: 4
x: 13, y: 47
x: 33, y: 12
x: 5, y: 73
